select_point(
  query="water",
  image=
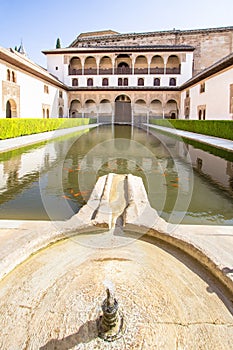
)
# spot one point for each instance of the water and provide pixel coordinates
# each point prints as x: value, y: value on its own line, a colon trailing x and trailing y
x: 53, y: 181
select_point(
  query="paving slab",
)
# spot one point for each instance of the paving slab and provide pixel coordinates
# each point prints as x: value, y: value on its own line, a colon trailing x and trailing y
x: 22, y: 141
x: 209, y: 140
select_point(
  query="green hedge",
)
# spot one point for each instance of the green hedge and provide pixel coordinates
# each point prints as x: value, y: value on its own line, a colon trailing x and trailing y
x: 218, y: 128
x: 18, y: 127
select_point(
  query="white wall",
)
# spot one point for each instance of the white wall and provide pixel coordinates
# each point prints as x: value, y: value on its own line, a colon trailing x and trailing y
x: 55, y: 66
x: 216, y: 96
x: 32, y: 95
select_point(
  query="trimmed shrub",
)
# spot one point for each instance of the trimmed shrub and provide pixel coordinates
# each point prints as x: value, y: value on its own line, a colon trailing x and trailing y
x: 217, y: 128
x: 10, y: 128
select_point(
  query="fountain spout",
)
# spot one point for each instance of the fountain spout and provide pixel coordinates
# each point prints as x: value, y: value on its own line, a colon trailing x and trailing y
x: 111, y: 323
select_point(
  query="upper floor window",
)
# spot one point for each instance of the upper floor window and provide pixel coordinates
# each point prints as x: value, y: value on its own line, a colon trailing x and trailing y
x: 120, y: 82
x: 172, y: 82
x: 140, y: 82
x: 156, y: 82
x: 187, y: 93
x: 13, y: 77
x: 46, y: 89
x: 75, y: 82
x: 126, y: 82
x: 202, y: 87
x: 89, y: 82
x: 8, y: 75
x: 105, y: 82
x: 60, y: 94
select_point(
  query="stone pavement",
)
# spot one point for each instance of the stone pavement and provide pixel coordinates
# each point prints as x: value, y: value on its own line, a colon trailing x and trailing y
x: 210, y: 140
x: 22, y: 141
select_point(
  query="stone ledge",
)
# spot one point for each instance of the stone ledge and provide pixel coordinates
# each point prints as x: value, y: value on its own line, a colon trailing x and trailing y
x: 130, y: 210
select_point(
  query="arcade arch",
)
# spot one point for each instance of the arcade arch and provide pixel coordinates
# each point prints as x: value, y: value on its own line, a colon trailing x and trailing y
x: 173, y: 65
x: 75, y: 66
x: 11, y: 109
x: 105, y: 65
x: 171, y: 109
x: 156, y: 109
x: 90, y: 66
x: 157, y: 65
x: 90, y: 108
x: 75, y: 109
x: 141, y: 64
x: 140, y: 111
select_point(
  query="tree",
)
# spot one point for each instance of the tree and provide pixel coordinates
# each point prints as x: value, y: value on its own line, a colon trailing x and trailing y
x: 58, y: 44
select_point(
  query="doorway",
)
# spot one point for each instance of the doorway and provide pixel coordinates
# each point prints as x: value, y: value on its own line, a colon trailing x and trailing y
x: 123, y: 110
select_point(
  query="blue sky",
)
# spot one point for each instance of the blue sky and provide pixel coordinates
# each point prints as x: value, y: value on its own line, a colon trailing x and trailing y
x: 39, y: 23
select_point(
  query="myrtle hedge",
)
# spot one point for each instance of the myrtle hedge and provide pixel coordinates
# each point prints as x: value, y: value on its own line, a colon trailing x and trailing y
x: 15, y: 127
x: 217, y: 128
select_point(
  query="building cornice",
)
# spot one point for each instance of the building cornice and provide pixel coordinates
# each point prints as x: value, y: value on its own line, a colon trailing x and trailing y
x: 213, y: 69
x: 150, y: 34
x: 124, y: 88
x: 120, y: 49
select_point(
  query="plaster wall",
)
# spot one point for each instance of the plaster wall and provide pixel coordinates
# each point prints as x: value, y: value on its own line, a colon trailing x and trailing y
x: 28, y: 92
x: 215, y: 98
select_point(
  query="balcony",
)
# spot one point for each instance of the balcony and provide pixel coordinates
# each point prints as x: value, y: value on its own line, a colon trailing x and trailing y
x: 90, y: 71
x: 73, y: 71
x: 157, y: 70
x: 140, y: 70
x: 103, y: 71
x: 173, y: 70
x: 123, y: 70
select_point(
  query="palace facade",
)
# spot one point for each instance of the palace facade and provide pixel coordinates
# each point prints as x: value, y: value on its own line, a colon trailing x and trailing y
x: 124, y: 78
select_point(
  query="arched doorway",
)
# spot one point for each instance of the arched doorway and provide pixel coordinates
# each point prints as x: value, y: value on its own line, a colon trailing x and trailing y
x: 105, y: 111
x: 11, y: 109
x: 75, y: 109
x: 171, y: 109
x: 123, y: 109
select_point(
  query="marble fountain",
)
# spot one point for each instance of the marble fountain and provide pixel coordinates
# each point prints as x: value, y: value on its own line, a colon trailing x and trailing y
x: 114, y: 276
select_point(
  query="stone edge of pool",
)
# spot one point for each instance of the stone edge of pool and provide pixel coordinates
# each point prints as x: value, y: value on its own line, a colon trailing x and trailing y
x: 27, y: 140
x: 212, y: 246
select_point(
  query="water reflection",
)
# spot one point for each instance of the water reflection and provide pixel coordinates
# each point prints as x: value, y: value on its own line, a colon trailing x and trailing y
x: 68, y: 170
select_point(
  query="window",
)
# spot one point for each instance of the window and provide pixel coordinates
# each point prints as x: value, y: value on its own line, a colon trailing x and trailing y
x: 89, y: 82
x: 172, y: 82
x: 8, y: 75
x: 46, y: 89
x: 126, y: 83
x: 156, y: 82
x: 202, y: 88
x: 105, y: 82
x: 187, y: 94
x: 120, y: 83
x: 140, y: 82
x: 56, y: 68
x: 203, y: 114
x: 60, y: 94
x: 13, y: 77
x: 75, y: 82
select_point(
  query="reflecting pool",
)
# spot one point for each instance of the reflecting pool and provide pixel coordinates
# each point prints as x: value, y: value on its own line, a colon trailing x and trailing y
x: 53, y: 181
